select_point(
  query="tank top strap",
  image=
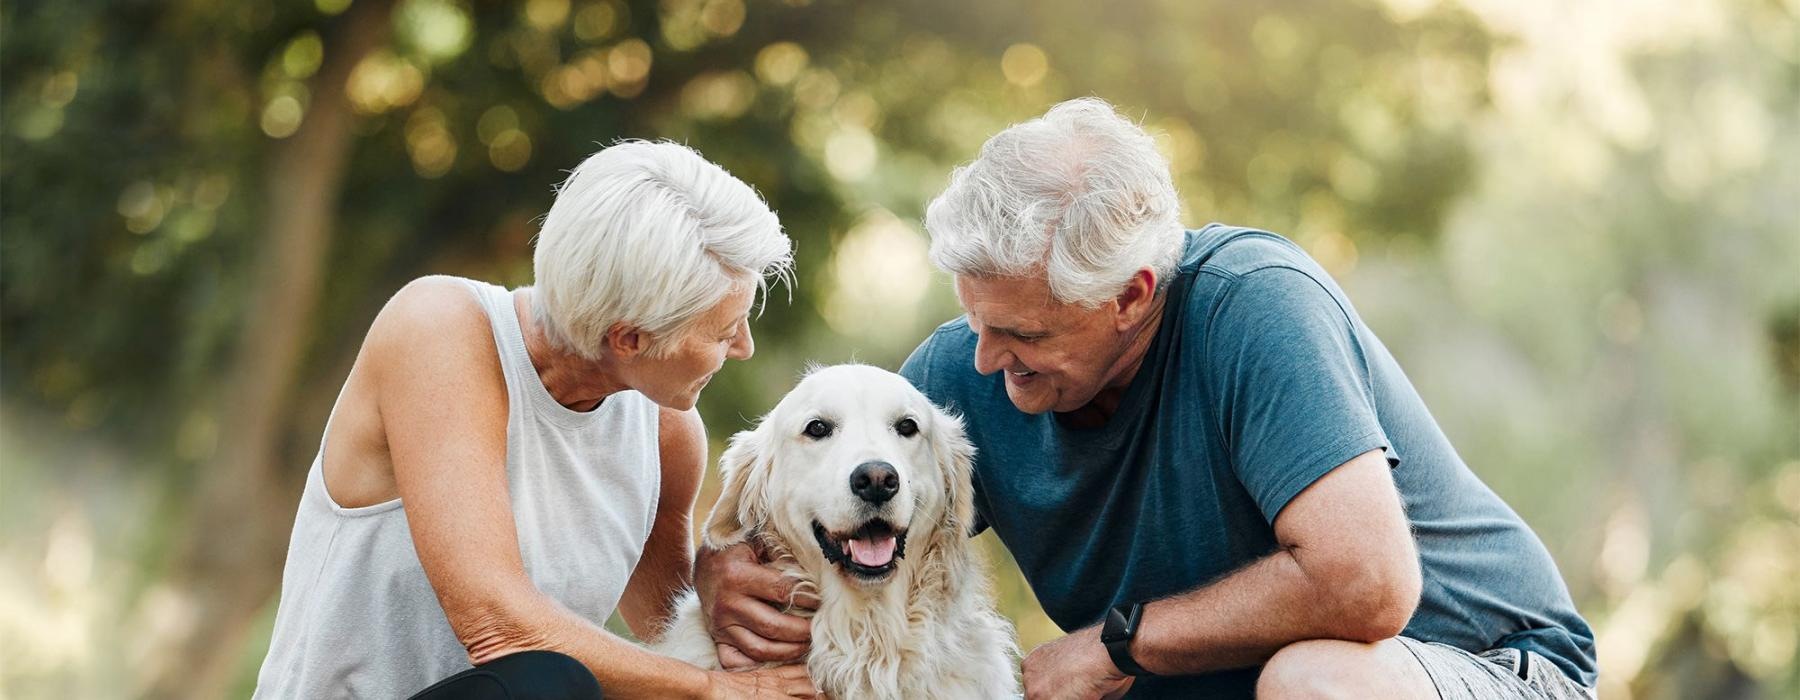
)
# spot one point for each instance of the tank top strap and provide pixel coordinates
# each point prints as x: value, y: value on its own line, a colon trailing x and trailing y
x: 521, y: 376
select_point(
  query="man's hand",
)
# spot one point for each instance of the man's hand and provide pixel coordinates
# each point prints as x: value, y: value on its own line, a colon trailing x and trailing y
x: 743, y: 598
x: 1076, y: 666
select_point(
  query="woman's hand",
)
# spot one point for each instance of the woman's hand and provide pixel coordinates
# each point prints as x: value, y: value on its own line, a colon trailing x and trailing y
x: 788, y: 681
x: 742, y: 598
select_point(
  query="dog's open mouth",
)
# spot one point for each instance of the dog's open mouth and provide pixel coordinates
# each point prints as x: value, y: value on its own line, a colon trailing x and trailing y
x: 870, y: 552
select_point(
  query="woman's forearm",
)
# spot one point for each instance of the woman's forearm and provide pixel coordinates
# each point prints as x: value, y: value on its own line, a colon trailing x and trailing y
x: 624, y: 670
x: 627, y: 671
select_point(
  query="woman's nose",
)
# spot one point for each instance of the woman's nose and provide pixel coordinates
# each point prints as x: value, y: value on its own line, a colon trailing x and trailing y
x: 743, y: 347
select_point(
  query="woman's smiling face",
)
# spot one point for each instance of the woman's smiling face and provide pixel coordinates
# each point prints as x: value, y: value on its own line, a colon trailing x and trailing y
x: 674, y: 380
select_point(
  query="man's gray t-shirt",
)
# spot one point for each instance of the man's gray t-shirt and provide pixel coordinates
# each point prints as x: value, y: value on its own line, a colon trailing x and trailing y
x: 1260, y: 380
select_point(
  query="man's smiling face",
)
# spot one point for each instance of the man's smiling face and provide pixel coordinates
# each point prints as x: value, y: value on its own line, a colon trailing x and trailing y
x: 1056, y: 356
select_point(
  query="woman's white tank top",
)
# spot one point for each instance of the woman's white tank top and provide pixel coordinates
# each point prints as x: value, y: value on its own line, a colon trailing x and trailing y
x: 357, y: 617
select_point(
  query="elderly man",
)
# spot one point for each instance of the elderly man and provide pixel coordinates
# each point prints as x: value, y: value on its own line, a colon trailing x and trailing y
x: 1203, y: 461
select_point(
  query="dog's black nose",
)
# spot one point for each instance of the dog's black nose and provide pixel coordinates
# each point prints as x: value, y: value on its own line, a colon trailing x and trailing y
x: 875, y: 482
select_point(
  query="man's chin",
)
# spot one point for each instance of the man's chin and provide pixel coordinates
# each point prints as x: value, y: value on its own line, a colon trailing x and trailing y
x: 1032, y: 403
x: 1038, y: 403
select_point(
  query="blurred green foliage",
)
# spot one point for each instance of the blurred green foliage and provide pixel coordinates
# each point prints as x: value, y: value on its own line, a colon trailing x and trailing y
x: 1573, y: 222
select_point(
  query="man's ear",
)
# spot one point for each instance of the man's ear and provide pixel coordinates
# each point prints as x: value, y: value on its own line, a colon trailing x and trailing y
x: 741, y: 508
x: 1137, y: 299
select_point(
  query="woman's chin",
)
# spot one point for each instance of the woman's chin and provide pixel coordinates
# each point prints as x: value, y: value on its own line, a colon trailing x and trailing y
x: 685, y: 402
x: 682, y: 399
x: 675, y: 401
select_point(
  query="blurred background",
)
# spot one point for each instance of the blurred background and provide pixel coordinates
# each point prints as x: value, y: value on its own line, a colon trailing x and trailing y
x: 1574, y: 222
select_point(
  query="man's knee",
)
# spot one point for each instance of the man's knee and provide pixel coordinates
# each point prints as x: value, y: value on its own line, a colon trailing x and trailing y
x: 545, y: 675
x: 1318, y: 669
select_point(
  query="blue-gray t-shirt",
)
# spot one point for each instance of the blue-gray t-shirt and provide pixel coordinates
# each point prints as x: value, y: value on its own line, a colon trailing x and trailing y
x: 1260, y: 380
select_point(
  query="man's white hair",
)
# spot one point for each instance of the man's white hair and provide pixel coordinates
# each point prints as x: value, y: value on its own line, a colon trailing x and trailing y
x: 650, y: 236
x: 1079, y: 195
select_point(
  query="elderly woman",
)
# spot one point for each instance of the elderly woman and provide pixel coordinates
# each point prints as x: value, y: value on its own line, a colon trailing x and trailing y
x: 504, y: 469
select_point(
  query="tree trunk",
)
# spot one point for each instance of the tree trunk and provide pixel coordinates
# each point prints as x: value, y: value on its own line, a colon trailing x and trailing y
x: 231, y: 560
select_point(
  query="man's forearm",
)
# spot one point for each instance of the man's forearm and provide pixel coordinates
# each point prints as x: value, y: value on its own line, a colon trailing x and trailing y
x: 1242, y: 619
x: 1347, y: 569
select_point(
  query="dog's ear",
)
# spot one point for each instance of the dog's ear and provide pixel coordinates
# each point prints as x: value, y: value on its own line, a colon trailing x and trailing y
x: 955, y: 457
x: 741, y: 507
x: 947, y: 560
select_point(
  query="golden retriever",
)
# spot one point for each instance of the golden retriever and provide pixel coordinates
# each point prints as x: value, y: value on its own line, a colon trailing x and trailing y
x: 858, y: 486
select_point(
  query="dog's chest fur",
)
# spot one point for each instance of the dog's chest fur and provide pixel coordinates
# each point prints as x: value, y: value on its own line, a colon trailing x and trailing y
x: 874, y: 649
x: 909, y: 639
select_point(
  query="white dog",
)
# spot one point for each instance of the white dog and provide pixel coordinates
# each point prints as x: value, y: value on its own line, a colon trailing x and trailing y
x: 858, y: 486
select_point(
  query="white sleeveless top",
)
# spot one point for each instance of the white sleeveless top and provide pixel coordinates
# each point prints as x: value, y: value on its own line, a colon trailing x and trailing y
x: 358, y: 618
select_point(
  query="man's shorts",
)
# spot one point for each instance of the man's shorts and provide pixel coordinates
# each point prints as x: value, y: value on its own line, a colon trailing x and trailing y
x: 1495, y: 673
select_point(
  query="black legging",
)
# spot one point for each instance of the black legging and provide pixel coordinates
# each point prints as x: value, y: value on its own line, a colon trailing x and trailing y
x: 527, y: 675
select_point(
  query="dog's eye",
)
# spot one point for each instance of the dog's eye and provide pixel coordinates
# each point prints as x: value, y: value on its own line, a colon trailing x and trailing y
x: 907, y: 427
x: 818, y: 429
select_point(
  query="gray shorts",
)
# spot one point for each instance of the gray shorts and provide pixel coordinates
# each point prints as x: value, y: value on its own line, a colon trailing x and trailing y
x: 1495, y: 673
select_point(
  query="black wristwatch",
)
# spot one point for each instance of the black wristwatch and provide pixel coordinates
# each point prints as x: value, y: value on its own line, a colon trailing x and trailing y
x: 1120, y: 628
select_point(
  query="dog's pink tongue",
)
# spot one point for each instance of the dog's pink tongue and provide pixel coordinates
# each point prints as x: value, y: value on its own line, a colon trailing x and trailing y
x: 872, y: 552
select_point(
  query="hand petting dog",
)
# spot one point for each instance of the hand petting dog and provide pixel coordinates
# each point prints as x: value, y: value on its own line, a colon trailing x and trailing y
x: 1075, y: 666
x: 733, y: 584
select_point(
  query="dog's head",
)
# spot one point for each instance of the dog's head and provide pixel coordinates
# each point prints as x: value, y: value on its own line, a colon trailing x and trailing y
x: 847, y: 469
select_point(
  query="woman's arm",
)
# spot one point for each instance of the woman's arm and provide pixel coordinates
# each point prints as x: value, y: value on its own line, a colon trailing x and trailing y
x: 442, y: 399
x: 668, y: 562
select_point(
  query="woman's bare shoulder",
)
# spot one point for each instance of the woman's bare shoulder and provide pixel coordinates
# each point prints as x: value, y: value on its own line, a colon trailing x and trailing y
x: 436, y: 315
x: 424, y: 347
x: 434, y: 299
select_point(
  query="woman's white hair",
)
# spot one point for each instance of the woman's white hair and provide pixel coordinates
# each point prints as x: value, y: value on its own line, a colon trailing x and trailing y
x: 1079, y: 195
x: 649, y: 235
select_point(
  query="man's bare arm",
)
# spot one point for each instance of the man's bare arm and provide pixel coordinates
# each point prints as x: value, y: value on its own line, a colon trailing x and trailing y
x: 1347, y: 569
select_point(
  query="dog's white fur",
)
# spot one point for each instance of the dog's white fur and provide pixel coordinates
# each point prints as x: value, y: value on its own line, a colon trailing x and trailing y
x: 929, y: 629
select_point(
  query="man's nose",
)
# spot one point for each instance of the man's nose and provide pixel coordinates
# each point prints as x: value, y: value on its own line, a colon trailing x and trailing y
x: 989, y: 357
x: 875, y: 482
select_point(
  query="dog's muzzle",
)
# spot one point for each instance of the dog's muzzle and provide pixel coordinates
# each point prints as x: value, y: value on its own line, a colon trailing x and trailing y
x: 870, y: 552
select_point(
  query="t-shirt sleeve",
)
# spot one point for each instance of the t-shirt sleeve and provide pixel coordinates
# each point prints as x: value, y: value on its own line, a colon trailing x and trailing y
x: 917, y: 365
x: 1288, y: 383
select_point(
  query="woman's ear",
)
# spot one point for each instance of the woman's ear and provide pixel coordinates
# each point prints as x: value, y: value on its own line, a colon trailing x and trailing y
x: 626, y: 341
x: 740, y: 508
